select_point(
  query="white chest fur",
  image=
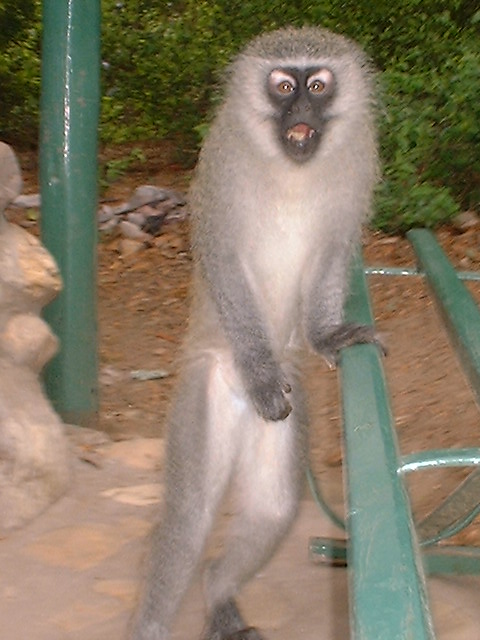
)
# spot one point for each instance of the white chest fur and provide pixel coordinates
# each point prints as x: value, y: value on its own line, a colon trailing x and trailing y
x: 282, y: 243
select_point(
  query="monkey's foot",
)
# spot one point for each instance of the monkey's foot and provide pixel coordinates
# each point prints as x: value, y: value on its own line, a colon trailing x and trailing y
x: 227, y: 624
x: 346, y: 335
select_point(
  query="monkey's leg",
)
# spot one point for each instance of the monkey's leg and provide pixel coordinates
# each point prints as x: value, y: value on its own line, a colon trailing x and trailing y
x: 270, y: 480
x: 199, y: 463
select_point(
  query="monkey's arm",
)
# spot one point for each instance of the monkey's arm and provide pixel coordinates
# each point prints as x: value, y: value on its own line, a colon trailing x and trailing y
x: 325, y: 329
x: 240, y: 317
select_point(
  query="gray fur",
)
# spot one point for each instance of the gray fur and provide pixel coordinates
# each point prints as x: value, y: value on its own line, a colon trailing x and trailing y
x: 272, y: 243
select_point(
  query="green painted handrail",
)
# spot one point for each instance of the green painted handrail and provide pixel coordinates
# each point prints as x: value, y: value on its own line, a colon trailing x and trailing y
x: 388, y: 597
x: 454, y: 302
x: 387, y: 554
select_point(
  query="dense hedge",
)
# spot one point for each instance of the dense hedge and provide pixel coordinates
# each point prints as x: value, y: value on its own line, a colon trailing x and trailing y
x: 162, y: 63
x: 19, y: 70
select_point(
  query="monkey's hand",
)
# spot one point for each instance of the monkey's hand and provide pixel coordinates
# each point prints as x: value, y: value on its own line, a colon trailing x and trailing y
x: 267, y: 391
x: 331, y: 341
x: 270, y: 402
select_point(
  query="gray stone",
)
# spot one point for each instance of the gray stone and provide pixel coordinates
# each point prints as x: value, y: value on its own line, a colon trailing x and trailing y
x: 27, y: 201
x: 109, y: 226
x: 10, y: 176
x: 145, y: 194
x: 105, y: 214
x: 131, y: 231
x: 137, y: 218
x: 149, y: 374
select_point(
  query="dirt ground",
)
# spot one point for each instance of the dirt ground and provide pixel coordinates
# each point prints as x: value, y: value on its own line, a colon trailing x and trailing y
x: 143, y: 309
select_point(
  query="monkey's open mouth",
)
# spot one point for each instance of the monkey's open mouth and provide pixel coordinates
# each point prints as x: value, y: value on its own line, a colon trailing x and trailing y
x: 301, y: 141
x: 300, y: 133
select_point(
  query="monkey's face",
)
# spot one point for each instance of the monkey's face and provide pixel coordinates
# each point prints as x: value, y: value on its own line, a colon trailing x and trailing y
x: 300, y: 98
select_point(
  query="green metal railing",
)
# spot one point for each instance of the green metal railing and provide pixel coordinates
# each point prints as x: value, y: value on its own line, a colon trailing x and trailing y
x: 387, y: 552
x: 68, y: 179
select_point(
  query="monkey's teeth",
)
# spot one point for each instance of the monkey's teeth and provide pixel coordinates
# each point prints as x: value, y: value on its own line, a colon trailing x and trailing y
x: 300, y: 132
x: 296, y: 136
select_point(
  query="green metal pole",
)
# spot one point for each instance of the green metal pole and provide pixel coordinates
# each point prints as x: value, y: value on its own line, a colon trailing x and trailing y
x: 68, y: 178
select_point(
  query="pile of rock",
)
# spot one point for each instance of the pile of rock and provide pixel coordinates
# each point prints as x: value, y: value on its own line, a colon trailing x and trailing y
x: 145, y: 213
x: 142, y: 217
x: 34, y: 456
x: 138, y: 221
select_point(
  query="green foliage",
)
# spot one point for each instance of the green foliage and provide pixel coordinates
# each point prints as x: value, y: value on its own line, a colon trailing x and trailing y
x: 14, y: 16
x: 163, y: 62
x: 112, y: 170
x: 19, y: 71
x: 159, y: 81
x: 429, y: 132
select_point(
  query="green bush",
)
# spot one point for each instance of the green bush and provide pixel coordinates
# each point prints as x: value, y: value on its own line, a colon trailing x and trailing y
x: 429, y: 125
x: 429, y: 136
x: 19, y: 71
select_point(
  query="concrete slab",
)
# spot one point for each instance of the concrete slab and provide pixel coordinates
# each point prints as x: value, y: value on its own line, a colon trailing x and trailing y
x: 73, y: 572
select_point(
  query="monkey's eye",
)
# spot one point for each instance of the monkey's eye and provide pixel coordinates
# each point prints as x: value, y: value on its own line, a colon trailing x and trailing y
x: 319, y: 81
x: 281, y: 82
x: 316, y: 87
x: 285, y: 87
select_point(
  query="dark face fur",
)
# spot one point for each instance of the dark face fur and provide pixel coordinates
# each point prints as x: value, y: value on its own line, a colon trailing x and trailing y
x: 301, y: 97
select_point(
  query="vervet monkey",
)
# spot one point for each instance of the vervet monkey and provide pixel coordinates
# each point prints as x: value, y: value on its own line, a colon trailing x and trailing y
x: 283, y: 183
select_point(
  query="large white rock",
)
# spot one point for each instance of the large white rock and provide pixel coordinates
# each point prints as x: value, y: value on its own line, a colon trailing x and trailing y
x: 10, y: 176
x: 34, y: 456
x: 29, y: 277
